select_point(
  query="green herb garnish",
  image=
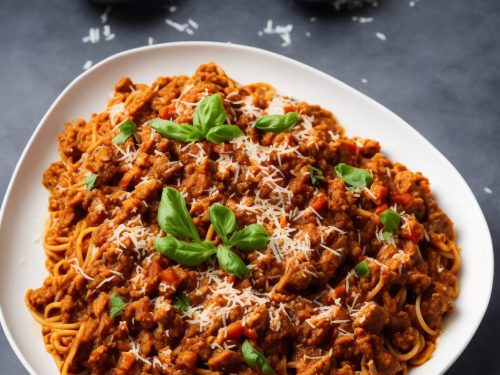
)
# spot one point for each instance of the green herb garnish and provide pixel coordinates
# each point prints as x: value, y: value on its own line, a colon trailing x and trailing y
x: 174, y: 219
x: 127, y: 128
x: 173, y: 216
x: 117, y: 305
x: 252, y: 237
x: 277, y: 123
x: 362, y: 269
x: 391, y: 220
x: 177, y: 132
x: 316, y: 174
x: 208, y: 123
x: 181, y: 302
x: 254, y: 358
x: 232, y: 263
x: 185, y: 253
x: 355, y: 177
x: 89, y: 181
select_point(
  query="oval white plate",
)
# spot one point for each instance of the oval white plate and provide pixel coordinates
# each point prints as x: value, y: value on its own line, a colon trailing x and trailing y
x: 25, y: 205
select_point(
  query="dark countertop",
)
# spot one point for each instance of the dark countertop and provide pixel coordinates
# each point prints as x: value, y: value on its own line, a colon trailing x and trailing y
x: 439, y: 69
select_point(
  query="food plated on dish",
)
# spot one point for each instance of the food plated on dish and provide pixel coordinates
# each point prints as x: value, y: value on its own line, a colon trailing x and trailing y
x: 199, y: 225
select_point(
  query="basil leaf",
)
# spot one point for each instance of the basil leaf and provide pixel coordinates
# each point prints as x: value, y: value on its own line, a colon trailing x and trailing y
x: 117, y: 305
x: 387, y: 236
x: 252, y: 237
x: 223, y: 220
x: 222, y: 133
x: 173, y: 216
x: 89, y: 181
x: 277, y: 123
x: 185, y: 253
x: 391, y: 220
x: 316, y: 174
x: 127, y: 128
x: 232, y: 263
x: 209, y: 113
x: 254, y: 358
x: 355, y: 177
x: 177, y: 132
x: 181, y: 302
x: 362, y: 269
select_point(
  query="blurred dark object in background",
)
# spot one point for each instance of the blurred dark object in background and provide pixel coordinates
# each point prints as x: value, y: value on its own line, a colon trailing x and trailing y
x: 111, y: 2
x: 336, y: 4
x: 342, y: 4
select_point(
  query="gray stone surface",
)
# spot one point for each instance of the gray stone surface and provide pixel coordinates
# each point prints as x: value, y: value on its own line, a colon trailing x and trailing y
x: 439, y: 69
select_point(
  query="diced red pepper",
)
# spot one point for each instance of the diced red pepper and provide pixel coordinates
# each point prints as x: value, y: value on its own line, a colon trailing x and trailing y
x: 339, y: 292
x: 413, y: 231
x: 381, y: 209
x: 379, y: 191
x: 234, y: 331
x: 250, y: 333
x: 319, y: 202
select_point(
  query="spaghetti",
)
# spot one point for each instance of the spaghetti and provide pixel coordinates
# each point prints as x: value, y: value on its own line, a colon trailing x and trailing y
x: 338, y: 289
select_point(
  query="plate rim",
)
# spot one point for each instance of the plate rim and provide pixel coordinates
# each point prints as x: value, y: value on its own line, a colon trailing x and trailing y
x: 285, y: 59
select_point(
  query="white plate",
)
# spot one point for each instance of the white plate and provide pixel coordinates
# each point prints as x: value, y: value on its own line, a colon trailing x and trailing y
x: 25, y: 205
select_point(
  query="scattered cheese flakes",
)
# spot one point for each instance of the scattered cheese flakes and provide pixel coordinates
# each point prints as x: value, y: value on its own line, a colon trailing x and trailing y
x: 362, y: 19
x: 93, y: 36
x: 381, y: 36
x: 364, y: 80
x: 108, y: 279
x: 487, y: 190
x: 135, y: 348
x: 106, y: 32
x: 151, y: 40
x: 182, y: 27
x: 283, y: 31
x: 104, y: 16
x: 204, y: 314
x: 87, y: 64
x: 193, y: 24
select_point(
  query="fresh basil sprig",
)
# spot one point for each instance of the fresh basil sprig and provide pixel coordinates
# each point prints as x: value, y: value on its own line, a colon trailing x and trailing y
x: 210, y: 112
x: 232, y: 263
x: 254, y: 358
x: 173, y: 216
x: 185, y: 253
x: 181, y: 302
x: 222, y: 133
x: 362, y: 269
x: 252, y: 237
x: 174, y: 219
x: 277, y: 123
x: 316, y: 174
x: 127, y: 128
x: 355, y: 177
x: 222, y: 219
x: 391, y: 220
x: 177, y: 132
x: 117, y: 305
x: 208, y: 123
x: 89, y: 181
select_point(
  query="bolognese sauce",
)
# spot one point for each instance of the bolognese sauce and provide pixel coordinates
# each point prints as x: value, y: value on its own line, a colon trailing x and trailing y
x: 273, y: 244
